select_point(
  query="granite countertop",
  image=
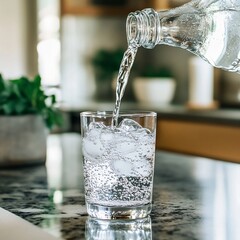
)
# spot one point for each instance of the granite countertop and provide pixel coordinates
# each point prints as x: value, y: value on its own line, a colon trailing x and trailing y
x: 194, y: 198
x: 224, y: 116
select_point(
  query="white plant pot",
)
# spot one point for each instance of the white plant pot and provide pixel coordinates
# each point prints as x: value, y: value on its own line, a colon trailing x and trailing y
x: 154, y: 90
x: 22, y: 140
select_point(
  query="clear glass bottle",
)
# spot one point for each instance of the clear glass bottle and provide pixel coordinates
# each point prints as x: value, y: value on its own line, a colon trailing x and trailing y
x: 207, y: 28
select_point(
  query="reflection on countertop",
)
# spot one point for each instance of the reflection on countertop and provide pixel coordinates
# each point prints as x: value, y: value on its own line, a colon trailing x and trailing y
x: 194, y: 198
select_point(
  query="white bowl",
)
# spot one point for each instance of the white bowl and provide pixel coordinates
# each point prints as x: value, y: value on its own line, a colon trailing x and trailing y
x: 154, y: 90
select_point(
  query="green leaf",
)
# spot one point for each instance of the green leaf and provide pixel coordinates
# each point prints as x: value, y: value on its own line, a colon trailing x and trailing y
x: 53, y: 99
x: 37, y: 81
x: 52, y: 117
x: 21, y: 107
x: 9, y: 108
x: 2, y: 85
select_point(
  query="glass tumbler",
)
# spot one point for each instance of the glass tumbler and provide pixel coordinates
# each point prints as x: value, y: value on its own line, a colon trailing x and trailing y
x: 118, y: 164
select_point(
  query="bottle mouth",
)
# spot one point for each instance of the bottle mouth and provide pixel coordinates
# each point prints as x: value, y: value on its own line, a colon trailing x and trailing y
x: 142, y: 28
x: 133, y: 37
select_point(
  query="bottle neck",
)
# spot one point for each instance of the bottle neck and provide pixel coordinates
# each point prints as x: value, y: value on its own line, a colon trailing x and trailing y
x: 180, y: 27
x: 143, y: 28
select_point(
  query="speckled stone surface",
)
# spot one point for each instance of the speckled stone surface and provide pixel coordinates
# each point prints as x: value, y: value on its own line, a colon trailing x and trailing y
x: 194, y: 198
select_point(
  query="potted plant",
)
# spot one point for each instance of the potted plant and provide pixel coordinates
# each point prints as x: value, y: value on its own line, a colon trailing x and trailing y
x: 154, y: 85
x: 106, y: 64
x: 26, y: 113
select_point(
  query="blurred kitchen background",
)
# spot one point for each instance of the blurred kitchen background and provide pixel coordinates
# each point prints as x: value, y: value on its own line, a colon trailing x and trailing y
x: 64, y: 40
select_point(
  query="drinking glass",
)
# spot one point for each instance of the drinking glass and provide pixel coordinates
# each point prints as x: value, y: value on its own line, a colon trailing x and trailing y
x: 118, y: 164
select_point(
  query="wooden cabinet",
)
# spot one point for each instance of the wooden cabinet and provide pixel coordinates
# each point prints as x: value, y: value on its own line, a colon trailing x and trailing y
x: 87, y: 7
x: 206, y: 139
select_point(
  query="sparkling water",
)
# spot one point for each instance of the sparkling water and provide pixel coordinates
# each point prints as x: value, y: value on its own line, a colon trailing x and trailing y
x: 118, y: 164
